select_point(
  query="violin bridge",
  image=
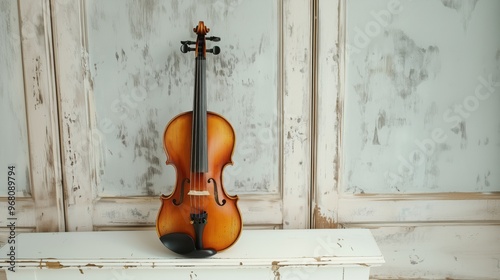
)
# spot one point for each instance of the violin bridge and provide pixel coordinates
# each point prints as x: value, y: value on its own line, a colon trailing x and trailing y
x: 199, y: 193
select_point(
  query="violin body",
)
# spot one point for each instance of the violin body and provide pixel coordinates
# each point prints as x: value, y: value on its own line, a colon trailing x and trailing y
x: 224, y: 222
x: 199, y: 218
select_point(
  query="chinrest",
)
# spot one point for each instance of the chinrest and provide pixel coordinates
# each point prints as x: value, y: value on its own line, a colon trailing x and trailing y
x: 183, y: 244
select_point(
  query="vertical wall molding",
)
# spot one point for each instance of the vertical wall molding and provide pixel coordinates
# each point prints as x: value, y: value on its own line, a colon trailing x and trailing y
x: 327, y: 129
x: 42, y: 114
x: 296, y: 113
x: 71, y: 62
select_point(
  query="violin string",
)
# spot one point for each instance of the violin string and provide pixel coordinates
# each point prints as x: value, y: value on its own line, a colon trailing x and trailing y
x: 191, y: 181
x: 202, y: 129
x: 198, y: 93
x: 198, y: 126
x: 194, y: 146
x: 203, y: 138
x: 195, y: 149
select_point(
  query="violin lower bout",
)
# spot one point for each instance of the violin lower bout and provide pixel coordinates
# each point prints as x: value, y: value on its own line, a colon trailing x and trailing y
x: 222, y: 228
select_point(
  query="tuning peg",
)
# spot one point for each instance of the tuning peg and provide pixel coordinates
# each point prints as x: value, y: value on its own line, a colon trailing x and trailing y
x: 213, y: 38
x: 215, y: 50
x: 185, y: 48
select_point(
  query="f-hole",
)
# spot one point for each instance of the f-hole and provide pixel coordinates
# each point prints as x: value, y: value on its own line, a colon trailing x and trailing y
x: 186, y: 180
x: 216, y: 194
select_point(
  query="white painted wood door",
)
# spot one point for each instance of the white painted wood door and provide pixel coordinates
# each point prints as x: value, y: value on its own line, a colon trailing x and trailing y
x: 122, y: 78
x: 415, y: 140
x: 29, y: 144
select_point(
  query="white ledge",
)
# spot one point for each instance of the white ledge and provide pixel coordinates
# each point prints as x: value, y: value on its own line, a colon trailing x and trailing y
x: 143, y: 250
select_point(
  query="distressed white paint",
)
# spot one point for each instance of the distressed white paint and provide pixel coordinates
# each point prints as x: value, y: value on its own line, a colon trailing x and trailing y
x: 296, y: 113
x: 263, y: 254
x: 328, y: 113
x: 112, y: 138
x: 439, y: 252
x: 30, y: 119
x: 419, y: 208
x: 136, y: 45
x: 43, y: 117
x: 431, y: 205
x: 14, y: 140
x: 422, y: 97
x: 74, y: 91
x: 424, y: 215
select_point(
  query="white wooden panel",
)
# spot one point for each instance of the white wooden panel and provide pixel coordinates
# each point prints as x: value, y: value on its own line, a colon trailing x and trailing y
x: 123, y: 212
x: 42, y: 112
x: 14, y: 140
x: 122, y: 84
x: 420, y: 135
x: 25, y: 213
x: 296, y: 113
x: 77, y: 137
x: 439, y: 252
x: 422, y: 97
x: 29, y: 116
x: 328, y: 112
x: 431, y: 208
x: 136, y: 45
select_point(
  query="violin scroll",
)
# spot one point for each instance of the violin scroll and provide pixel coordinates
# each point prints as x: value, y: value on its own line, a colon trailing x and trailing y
x: 201, y: 30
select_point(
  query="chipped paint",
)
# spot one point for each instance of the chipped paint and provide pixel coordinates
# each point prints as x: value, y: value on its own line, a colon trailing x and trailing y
x: 29, y: 94
x: 153, y: 83
x: 52, y: 265
x: 37, y: 94
x: 402, y: 136
x: 14, y: 144
x: 120, y: 123
x: 323, y: 220
x: 419, y: 118
x: 275, y: 268
x: 94, y: 265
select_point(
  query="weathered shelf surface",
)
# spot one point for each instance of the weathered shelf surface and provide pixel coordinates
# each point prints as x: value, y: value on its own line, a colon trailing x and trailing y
x: 258, y: 254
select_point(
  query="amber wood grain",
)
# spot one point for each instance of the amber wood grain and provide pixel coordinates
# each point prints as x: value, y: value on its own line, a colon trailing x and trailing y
x: 224, y: 222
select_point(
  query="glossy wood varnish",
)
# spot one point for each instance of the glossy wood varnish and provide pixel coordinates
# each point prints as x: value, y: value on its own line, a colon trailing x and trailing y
x: 199, y: 144
x: 224, y: 222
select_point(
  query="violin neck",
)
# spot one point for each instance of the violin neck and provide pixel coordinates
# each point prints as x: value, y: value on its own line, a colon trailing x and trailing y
x: 199, y: 150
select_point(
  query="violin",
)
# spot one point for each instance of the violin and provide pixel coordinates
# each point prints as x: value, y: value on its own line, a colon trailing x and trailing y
x: 199, y: 219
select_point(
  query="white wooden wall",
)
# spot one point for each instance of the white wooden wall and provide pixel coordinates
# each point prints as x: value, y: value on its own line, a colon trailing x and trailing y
x: 420, y: 135
x: 136, y: 44
x: 29, y: 116
x: 112, y: 153
x: 379, y: 114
